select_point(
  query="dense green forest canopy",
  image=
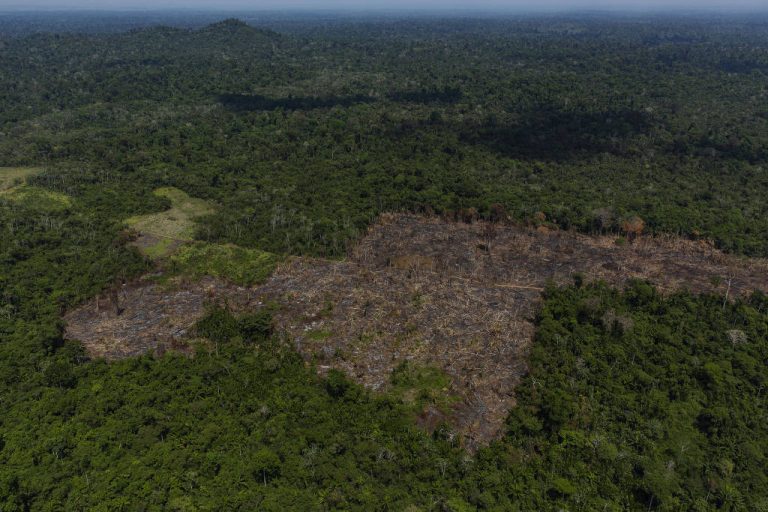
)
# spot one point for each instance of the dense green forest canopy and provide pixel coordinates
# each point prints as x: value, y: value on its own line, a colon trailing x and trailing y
x: 661, y: 118
x: 301, y: 131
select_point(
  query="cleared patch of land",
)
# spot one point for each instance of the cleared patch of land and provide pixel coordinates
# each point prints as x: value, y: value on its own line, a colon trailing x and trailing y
x: 457, y: 298
x: 462, y: 297
x: 37, y: 198
x: 157, y: 312
x: 147, y: 316
x: 161, y: 233
x: 14, y: 176
x: 14, y: 188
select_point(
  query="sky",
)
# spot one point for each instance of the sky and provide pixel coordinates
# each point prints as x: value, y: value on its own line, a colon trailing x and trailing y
x: 362, y: 5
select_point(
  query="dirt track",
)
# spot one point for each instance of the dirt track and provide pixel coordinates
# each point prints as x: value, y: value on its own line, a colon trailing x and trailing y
x: 457, y: 296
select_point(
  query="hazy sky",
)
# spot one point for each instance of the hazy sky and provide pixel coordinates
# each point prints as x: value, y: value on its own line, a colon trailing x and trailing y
x: 387, y: 4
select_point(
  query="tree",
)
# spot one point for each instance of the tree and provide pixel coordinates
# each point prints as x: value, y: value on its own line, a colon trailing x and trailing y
x: 633, y: 227
x: 266, y: 465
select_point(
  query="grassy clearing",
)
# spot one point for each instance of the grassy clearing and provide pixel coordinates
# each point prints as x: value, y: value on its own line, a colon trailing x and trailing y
x: 158, y: 248
x: 37, y: 198
x: 11, y: 177
x: 173, y: 225
x: 420, y: 386
x: 170, y: 234
x: 319, y: 335
x: 177, y: 223
x: 13, y: 188
x: 235, y: 264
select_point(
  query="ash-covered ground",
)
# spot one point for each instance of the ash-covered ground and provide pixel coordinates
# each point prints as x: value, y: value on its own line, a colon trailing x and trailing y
x: 459, y: 297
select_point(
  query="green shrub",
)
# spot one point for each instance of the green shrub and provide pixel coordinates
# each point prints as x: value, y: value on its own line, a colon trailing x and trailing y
x: 255, y: 326
x: 238, y: 265
x: 217, y: 325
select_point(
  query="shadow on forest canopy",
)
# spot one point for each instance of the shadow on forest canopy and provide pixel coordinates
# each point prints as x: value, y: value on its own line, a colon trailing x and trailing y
x: 249, y: 102
x: 551, y: 134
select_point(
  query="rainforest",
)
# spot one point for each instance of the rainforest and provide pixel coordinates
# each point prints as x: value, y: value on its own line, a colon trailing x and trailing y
x: 317, y: 261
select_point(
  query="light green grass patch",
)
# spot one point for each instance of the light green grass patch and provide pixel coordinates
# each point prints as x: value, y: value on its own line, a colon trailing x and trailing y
x: 238, y: 265
x: 177, y: 223
x: 37, y: 198
x: 319, y: 335
x: 11, y: 177
x: 420, y: 385
x: 162, y: 248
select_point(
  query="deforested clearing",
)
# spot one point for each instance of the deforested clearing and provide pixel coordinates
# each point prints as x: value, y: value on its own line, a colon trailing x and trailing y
x: 14, y: 176
x: 459, y: 297
x: 159, y: 234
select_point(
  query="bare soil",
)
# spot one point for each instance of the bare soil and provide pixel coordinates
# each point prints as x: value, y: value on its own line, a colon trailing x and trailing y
x: 460, y: 297
x: 146, y: 316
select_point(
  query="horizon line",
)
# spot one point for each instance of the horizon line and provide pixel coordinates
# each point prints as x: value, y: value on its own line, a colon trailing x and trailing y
x: 637, y: 9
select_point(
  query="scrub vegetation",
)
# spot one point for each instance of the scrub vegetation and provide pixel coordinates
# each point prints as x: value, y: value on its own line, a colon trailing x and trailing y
x: 235, y: 264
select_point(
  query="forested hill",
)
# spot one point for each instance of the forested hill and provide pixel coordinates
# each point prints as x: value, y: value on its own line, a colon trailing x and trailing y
x: 148, y: 155
x: 154, y: 63
x: 664, y: 119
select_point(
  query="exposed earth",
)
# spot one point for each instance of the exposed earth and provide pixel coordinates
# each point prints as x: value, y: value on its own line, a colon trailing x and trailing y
x: 455, y: 296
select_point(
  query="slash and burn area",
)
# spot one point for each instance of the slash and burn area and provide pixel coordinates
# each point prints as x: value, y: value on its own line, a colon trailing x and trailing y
x: 439, y: 313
